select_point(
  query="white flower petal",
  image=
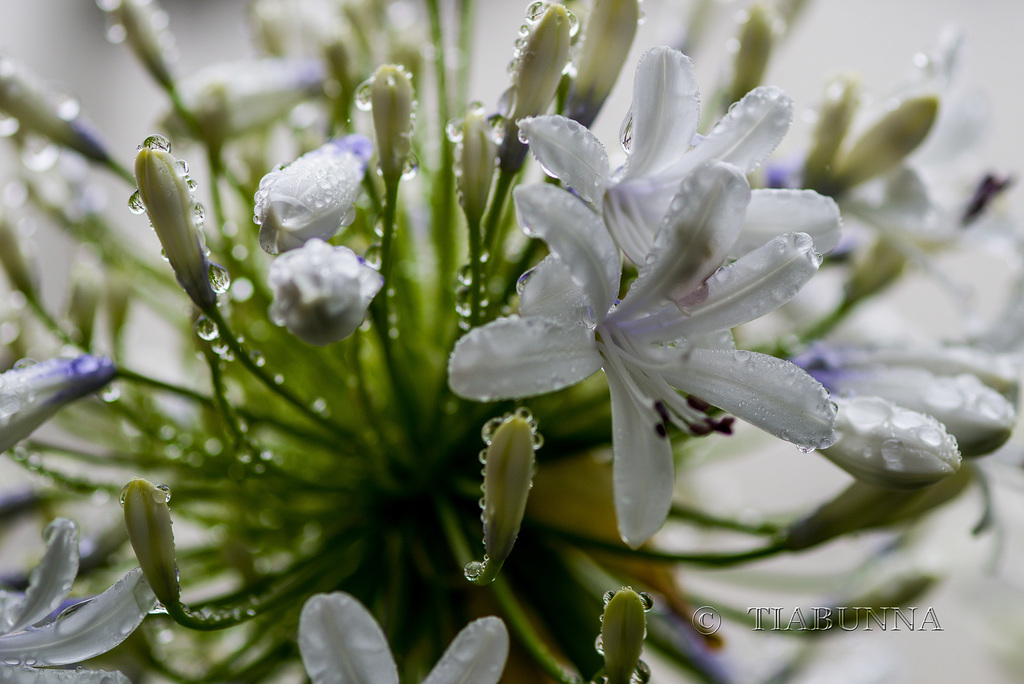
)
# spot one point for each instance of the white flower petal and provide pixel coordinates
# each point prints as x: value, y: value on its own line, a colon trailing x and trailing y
x: 578, y: 236
x: 521, y: 357
x: 749, y: 132
x: 28, y: 675
x: 643, y: 472
x: 50, y: 581
x: 746, y: 289
x: 703, y: 221
x: 569, y: 152
x: 775, y: 395
x: 341, y: 643
x: 476, y: 656
x: 665, y: 111
x: 774, y: 212
x: 899, y: 202
x: 548, y: 291
x: 634, y: 208
x: 888, y: 446
x: 85, y: 630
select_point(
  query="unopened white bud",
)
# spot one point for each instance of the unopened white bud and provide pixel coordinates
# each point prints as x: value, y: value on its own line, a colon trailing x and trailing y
x: 610, y: 27
x: 392, y: 101
x: 148, y: 520
x: 321, y: 292
x: 477, y: 159
x: 623, y: 628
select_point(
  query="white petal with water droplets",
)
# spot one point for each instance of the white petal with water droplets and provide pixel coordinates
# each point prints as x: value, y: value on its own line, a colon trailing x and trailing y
x: 772, y: 394
x: 86, y: 630
x: 774, y: 212
x: 27, y: 675
x: 550, y: 292
x: 341, y: 643
x: 476, y: 656
x: 642, y: 470
x: 50, y: 581
x: 569, y: 152
x: 577, y: 235
x: 521, y: 357
x: 665, y: 111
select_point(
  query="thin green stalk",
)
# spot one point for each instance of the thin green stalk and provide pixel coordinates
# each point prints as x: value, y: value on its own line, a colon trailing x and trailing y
x: 703, y: 519
x: 444, y: 189
x: 220, y: 395
x: 496, y: 210
x: 476, y: 274
x: 462, y: 73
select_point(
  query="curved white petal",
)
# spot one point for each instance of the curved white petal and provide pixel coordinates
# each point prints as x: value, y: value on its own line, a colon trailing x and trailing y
x: 775, y: 395
x: 569, y: 152
x: 642, y: 470
x: 980, y: 418
x: 774, y: 212
x: 28, y: 675
x: 85, y: 630
x: 341, y: 643
x: 748, y: 133
x: 547, y: 290
x: 476, y: 656
x: 888, y: 446
x: 703, y: 221
x: 665, y: 111
x: 633, y: 210
x: 578, y: 236
x: 900, y: 202
x: 746, y: 289
x: 50, y: 581
x: 521, y: 357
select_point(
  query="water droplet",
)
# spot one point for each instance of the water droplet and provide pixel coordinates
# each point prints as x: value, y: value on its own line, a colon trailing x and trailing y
x: 412, y: 167
x: 206, y: 329
x: 466, y: 274
x: 257, y: 358
x: 535, y: 10
x: 647, y: 600
x: 135, y: 203
x: 463, y: 303
x: 162, y: 494
x: 116, y: 33
x: 574, y: 24
x: 110, y: 393
x: 608, y: 596
x: 8, y: 126
x: 626, y: 133
x: 220, y: 279
x: 192, y: 185
x: 182, y: 167
x: 123, y: 495
x: 363, y: 95
x: 156, y: 142
x: 642, y: 674
x: 372, y: 256
x: 453, y: 129
x: 320, y: 405
x: 474, y: 570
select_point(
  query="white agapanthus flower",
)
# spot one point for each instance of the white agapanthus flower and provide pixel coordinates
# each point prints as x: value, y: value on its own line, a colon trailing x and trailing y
x: 669, y: 333
x: 312, y: 197
x: 341, y: 643
x: 664, y: 148
x: 85, y: 630
x: 972, y: 393
x: 31, y: 394
x: 321, y: 292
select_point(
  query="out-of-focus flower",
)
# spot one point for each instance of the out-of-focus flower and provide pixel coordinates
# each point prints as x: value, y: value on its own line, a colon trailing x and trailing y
x: 321, y: 292
x: 607, y: 37
x: 669, y: 333
x: 660, y: 135
x: 143, y: 24
x: 341, y: 643
x: 86, y: 630
x: 313, y: 196
x: 31, y: 394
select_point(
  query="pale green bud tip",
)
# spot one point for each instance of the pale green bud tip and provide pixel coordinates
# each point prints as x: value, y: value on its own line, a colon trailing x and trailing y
x: 610, y: 28
x: 392, y: 101
x: 889, y: 141
x: 165, y: 193
x: 143, y: 24
x: 757, y: 37
x: 623, y: 627
x: 148, y: 519
x: 836, y: 113
x: 478, y: 155
x: 508, y: 476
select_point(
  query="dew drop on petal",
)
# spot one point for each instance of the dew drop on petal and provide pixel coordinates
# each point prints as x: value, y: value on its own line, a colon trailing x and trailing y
x: 220, y: 279
x: 135, y: 203
x: 157, y: 142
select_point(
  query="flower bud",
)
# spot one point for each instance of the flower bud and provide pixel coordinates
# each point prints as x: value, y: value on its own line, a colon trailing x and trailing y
x: 508, y: 474
x: 313, y: 196
x: 538, y: 67
x: 145, y: 30
x: 321, y: 292
x: 888, y: 142
x: 756, y: 40
x: 392, y: 101
x: 148, y: 519
x: 31, y: 394
x: 85, y: 296
x: 834, y: 119
x: 874, y: 270
x: 888, y: 446
x: 477, y: 156
x: 41, y: 110
x: 623, y: 628
x: 610, y: 27
x: 118, y: 299
x: 862, y: 507
x: 14, y: 258
x: 166, y: 195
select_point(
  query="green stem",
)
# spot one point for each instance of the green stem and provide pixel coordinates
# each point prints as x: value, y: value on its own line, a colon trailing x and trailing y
x: 703, y: 519
x: 444, y: 193
x: 476, y: 274
x: 495, y: 211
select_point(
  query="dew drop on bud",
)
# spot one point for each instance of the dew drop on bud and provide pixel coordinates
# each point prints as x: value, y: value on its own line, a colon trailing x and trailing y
x: 198, y: 212
x: 474, y: 570
x: 608, y: 596
x: 220, y: 279
x: 206, y: 329
x: 157, y: 142
x: 135, y: 203
x: 162, y: 493
x: 364, y: 94
x: 123, y: 495
x: 647, y: 599
x: 453, y: 130
x: 535, y: 10
x: 574, y: 24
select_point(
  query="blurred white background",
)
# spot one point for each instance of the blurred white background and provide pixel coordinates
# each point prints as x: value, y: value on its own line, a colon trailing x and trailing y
x: 62, y: 40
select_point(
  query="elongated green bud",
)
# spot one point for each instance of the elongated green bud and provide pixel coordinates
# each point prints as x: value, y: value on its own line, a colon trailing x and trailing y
x: 879, y: 267
x: 145, y: 30
x: 148, y: 519
x: 888, y: 142
x: 623, y: 628
x: 537, y: 68
x: 391, y: 100
x: 17, y: 264
x: 478, y: 155
x: 610, y: 28
x: 756, y: 39
x: 85, y: 297
x: 834, y: 119
x: 165, y: 193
